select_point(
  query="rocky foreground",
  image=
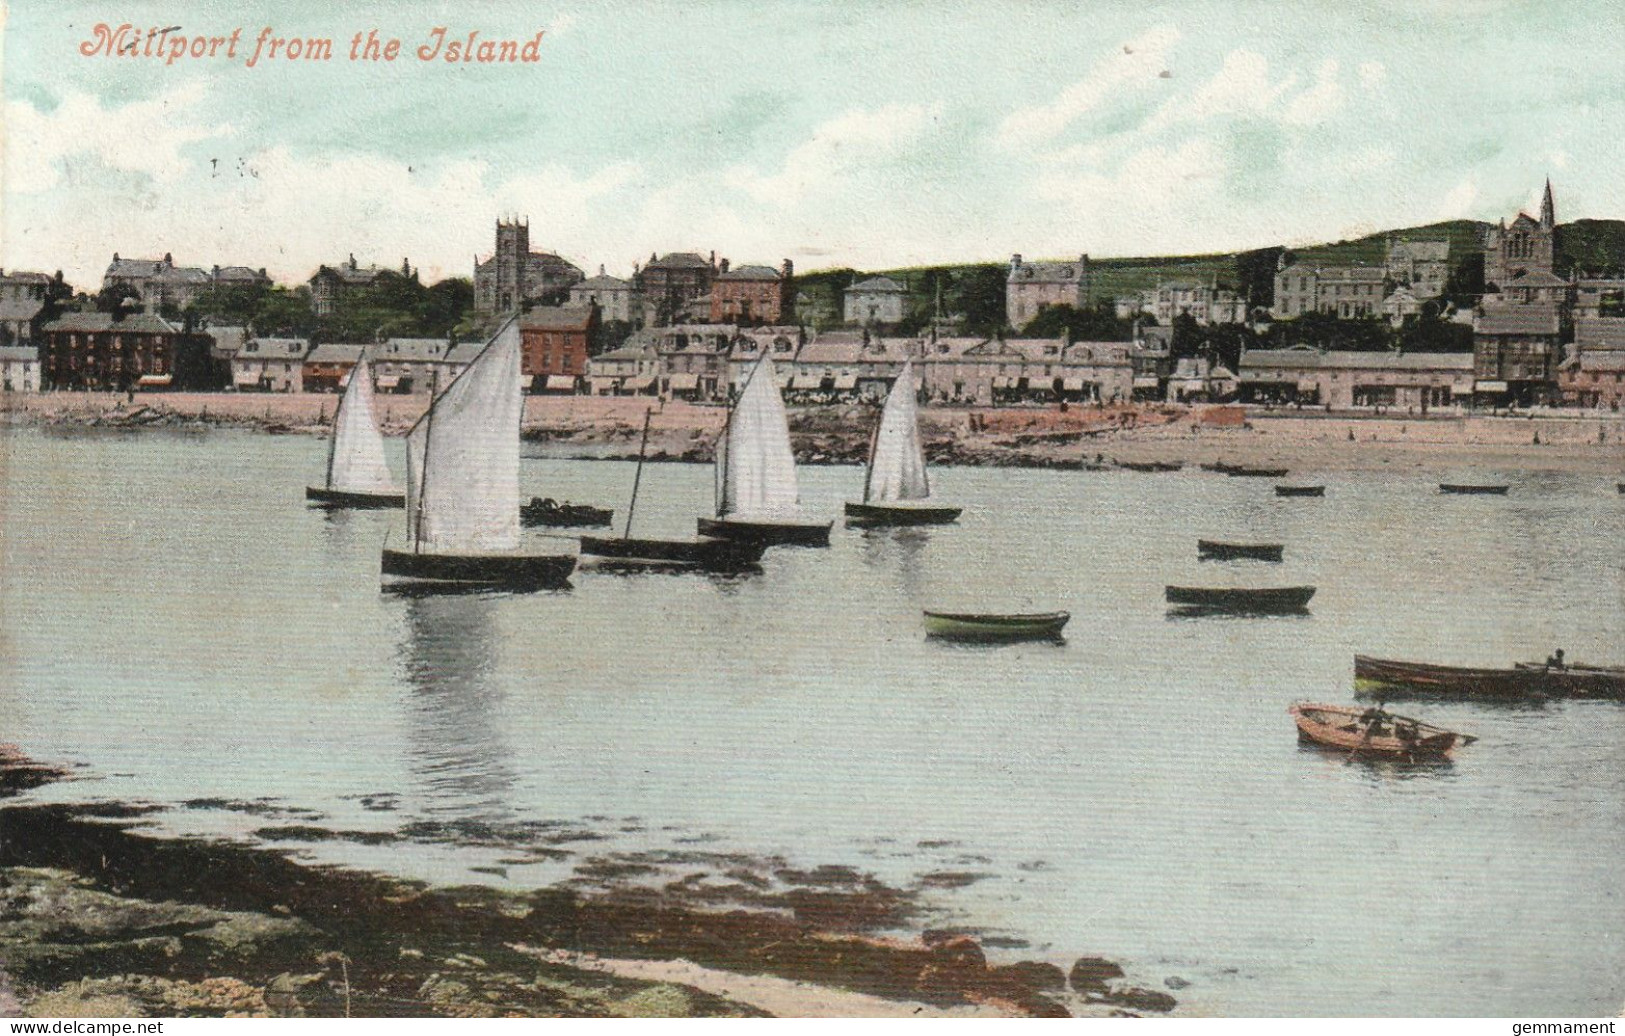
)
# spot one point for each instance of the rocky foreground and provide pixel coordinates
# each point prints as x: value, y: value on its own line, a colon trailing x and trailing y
x: 98, y: 918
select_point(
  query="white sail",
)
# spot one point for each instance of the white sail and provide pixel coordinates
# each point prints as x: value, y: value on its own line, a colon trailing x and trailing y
x: 462, y: 458
x: 355, y: 459
x: 758, y: 466
x: 897, y: 462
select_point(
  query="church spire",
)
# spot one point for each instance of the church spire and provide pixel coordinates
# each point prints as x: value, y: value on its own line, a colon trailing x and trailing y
x: 1548, y: 211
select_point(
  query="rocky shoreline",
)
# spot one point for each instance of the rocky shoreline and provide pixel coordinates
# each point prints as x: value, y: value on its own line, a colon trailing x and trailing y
x: 101, y: 918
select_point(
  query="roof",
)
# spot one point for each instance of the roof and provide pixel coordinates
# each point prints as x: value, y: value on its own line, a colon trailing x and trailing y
x: 602, y: 283
x: 22, y: 353
x: 1259, y: 358
x: 337, y: 352
x: 135, y: 323
x: 875, y: 285
x: 227, y: 340
x: 679, y: 259
x: 557, y: 318
x: 749, y: 273
x: 463, y: 353
x: 239, y: 273
x: 1073, y: 272
x: 134, y: 267
x: 1097, y: 353
x: 1603, y: 360
x: 273, y: 349
x: 24, y: 277
x: 1343, y: 359
x: 1517, y: 320
x: 20, y: 309
x: 1537, y: 279
x: 182, y: 275
x: 351, y: 275
x: 832, y: 347
x: 401, y: 350
x: 640, y: 351
x: 1599, y: 332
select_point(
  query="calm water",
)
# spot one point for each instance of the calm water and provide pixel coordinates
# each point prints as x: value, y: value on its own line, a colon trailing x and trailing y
x: 177, y: 619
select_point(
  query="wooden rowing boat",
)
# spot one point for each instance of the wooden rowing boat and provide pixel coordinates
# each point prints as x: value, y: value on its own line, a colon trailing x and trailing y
x: 1242, y: 471
x: 1575, y: 680
x: 1524, y: 681
x: 1273, y: 600
x: 969, y: 626
x: 1217, y: 551
x: 1151, y: 465
x: 704, y: 555
x: 1373, y: 732
x: 1300, y: 490
x: 1472, y: 490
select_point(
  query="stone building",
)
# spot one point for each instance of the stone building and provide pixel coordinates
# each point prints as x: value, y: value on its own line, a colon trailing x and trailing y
x: 694, y: 360
x: 1593, y: 373
x: 332, y: 287
x: 19, y: 368
x: 23, y: 296
x: 327, y: 367
x: 1033, y: 287
x: 1516, y: 350
x: 1421, y: 266
x: 556, y: 341
x: 1349, y: 380
x: 1527, y: 246
x: 1342, y: 291
x: 1204, y: 303
x: 750, y: 296
x: 669, y: 284
x: 157, y: 282
x: 617, y: 300
x: 514, y: 275
x: 270, y: 365
x: 631, y: 370
x: 410, y: 365
x: 123, y: 350
x: 877, y: 301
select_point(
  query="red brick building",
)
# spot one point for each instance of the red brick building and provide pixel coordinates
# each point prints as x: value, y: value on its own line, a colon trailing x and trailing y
x: 120, y: 351
x: 555, y: 345
x: 751, y: 295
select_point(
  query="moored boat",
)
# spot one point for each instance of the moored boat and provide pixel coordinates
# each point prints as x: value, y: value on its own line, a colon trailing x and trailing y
x: 992, y: 626
x: 1425, y: 678
x: 549, y: 512
x: 758, y: 499
x: 896, y: 486
x: 1300, y: 490
x: 1556, y: 677
x: 1151, y: 465
x: 1243, y: 471
x: 704, y: 554
x: 1270, y: 600
x: 462, y: 485
x: 357, y: 474
x: 1373, y: 732
x: 1460, y: 489
x: 1219, y: 551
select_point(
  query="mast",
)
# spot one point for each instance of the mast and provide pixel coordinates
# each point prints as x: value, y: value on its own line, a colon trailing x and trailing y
x: 643, y: 445
x: 874, y: 440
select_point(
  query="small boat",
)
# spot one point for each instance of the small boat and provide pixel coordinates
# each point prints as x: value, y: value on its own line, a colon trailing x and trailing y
x: 1373, y: 733
x: 1217, y: 551
x: 1219, y: 466
x: 1274, y: 600
x: 896, y: 488
x: 547, y: 511
x: 758, y: 499
x: 1300, y: 490
x: 1151, y: 465
x: 462, y: 485
x: 1472, y: 490
x: 357, y: 474
x: 1571, y: 679
x: 1242, y: 471
x: 629, y: 553
x: 1621, y: 487
x: 966, y: 626
x: 1525, y: 680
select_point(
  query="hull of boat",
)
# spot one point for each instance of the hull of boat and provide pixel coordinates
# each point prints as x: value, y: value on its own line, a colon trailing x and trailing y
x: 1442, y: 680
x: 1372, y: 733
x: 1214, y: 550
x: 768, y: 533
x: 962, y: 626
x: 1255, y: 472
x: 706, y: 555
x: 1576, y: 681
x: 1459, y: 490
x: 546, y: 513
x: 1278, y: 600
x: 1300, y: 490
x: 1157, y: 466
x: 497, y: 571
x: 337, y: 498
x: 900, y: 514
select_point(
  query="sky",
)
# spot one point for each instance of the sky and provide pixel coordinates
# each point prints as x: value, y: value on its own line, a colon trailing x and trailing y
x: 850, y: 133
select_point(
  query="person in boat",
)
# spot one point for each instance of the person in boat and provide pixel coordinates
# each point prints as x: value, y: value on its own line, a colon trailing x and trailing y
x: 1555, y: 660
x: 1372, y: 720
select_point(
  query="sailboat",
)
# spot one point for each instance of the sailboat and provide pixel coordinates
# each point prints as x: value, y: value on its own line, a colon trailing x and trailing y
x: 757, y: 496
x: 897, y: 490
x: 706, y: 554
x: 357, y: 475
x: 462, y: 484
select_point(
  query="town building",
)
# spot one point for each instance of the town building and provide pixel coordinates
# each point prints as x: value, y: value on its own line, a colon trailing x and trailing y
x: 23, y: 296
x: 874, y: 302
x: 1593, y: 373
x: 327, y: 367
x: 617, y: 300
x: 19, y: 368
x: 694, y: 360
x: 1516, y: 350
x: 1204, y: 303
x: 1345, y: 380
x: 1342, y: 291
x: 410, y: 365
x: 1151, y: 358
x: 1421, y: 266
x: 1527, y: 246
x: 270, y: 365
x: 749, y: 296
x: 514, y: 275
x: 1599, y: 297
x: 332, y: 287
x: 1032, y: 288
x: 670, y: 283
x: 556, y: 343
x: 123, y: 350
x: 631, y: 370
x: 1400, y: 305
x: 160, y: 283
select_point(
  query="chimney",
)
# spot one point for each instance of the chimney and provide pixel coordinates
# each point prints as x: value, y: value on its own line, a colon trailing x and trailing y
x: 600, y: 269
x: 215, y: 272
x: 352, y: 261
x: 788, y: 269
x: 169, y: 260
x: 724, y: 267
x: 1015, y: 263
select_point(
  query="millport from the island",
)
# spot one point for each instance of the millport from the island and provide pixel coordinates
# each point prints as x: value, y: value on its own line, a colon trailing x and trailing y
x: 1229, y: 635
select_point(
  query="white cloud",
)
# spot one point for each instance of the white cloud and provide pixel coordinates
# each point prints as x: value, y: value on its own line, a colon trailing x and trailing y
x: 1372, y: 74
x: 838, y: 146
x: 1241, y: 86
x: 1458, y: 201
x: 1320, y: 101
x: 1138, y: 62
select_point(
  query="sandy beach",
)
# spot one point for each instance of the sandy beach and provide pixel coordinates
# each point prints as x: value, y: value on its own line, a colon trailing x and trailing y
x: 610, y: 427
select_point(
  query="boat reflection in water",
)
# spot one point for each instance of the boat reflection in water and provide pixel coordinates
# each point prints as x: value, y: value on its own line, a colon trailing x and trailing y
x: 457, y: 755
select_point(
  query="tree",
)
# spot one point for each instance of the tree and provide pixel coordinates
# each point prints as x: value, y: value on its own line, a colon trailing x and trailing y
x: 1097, y: 324
x: 1357, y: 334
x: 1464, y: 286
x: 979, y: 296
x: 112, y: 297
x: 1255, y: 275
x: 1428, y: 333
